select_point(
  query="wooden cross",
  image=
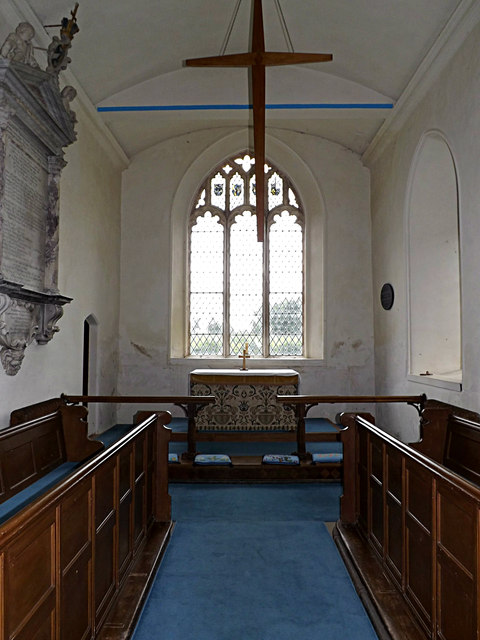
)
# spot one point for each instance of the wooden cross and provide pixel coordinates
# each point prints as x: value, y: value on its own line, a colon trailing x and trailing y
x: 258, y: 59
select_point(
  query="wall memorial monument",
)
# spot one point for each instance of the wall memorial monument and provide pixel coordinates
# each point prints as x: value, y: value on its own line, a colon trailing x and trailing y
x: 36, y: 124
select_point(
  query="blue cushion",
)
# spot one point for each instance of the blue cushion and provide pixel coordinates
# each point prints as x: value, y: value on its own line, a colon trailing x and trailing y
x: 212, y: 458
x: 273, y: 458
x: 14, y: 504
x: 327, y: 457
x: 173, y: 457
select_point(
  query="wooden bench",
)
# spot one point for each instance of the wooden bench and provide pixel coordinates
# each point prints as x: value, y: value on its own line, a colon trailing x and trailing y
x: 410, y: 524
x: 81, y: 527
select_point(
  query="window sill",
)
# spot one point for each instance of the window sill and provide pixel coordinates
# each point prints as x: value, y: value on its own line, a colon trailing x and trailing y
x: 235, y: 363
x: 451, y: 381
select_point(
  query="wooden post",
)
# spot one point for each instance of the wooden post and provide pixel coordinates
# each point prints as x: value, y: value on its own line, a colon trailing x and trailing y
x: 301, y: 446
x: 349, y: 499
x: 163, y: 502
x: 191, y: 443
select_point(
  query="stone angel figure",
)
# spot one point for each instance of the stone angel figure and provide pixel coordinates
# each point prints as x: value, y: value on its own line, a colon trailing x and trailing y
x: 18, y: 45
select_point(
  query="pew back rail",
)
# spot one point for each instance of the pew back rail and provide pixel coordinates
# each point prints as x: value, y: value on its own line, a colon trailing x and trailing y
x: 420, y: 519
x: 65, y: 556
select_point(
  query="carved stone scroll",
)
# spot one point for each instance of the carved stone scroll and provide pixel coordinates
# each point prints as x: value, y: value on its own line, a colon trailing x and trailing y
x: 36, y: 124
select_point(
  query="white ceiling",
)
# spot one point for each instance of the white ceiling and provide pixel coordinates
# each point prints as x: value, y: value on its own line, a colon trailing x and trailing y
x: 131, y: 54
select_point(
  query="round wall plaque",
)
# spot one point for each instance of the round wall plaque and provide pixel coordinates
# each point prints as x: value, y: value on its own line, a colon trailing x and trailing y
x: 387, y: 296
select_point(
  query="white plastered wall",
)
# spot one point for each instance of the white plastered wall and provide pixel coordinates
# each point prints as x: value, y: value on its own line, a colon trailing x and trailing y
x: 88, y: 272
x: 158, y: 189
x: 451, y: 107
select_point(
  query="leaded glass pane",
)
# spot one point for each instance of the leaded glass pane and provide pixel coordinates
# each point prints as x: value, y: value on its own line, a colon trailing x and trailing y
x: 206, y: 286
x: 275, y: 191
x: 237, y: 191
x: 292, y: 200
x: 253, y: 196
x: 246, y: 162
x: 218, y: 191
x: 246, y: 285
x: 231, y: 188
x: 286, y: 286
x: 201, y: 199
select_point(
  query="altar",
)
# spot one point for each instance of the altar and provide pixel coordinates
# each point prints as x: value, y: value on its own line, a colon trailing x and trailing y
x: 245, y: 400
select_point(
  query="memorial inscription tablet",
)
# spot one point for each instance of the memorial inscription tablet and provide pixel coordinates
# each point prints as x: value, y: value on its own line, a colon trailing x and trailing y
x: 36, y: 123
x: 24, y: 212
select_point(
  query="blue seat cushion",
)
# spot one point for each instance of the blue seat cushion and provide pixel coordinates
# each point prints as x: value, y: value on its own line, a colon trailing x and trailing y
x: 14, y: 504
x: 327, y: 457
x: 212, y: 459
x: 274, y: 458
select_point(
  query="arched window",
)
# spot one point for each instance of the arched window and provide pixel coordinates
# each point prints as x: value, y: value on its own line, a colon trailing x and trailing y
x: 242, y: 291
x: 434, y: 264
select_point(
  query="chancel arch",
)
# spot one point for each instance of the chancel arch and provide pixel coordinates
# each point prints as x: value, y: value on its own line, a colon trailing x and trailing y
x: 289, y: 164
x: 434, y: 262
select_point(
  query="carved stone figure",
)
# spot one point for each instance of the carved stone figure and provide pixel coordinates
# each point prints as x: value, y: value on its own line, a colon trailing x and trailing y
x: 18, y: 45
x: 68, y: 94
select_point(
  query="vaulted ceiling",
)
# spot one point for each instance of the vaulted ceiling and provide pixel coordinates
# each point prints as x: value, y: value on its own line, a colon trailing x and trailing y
x: 130, y: 54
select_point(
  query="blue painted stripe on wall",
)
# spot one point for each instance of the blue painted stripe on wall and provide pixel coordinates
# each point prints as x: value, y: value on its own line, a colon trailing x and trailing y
x: 216, y: 107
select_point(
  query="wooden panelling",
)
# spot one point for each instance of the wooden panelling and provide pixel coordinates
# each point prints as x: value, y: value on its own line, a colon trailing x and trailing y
x: 457, y: 617
x: 28, y: 453
x: 76, y: 564
x: 76, y: 581
x: 63, y: 558
x: 393, y: 543
x: 419, y: 494
x: 30, y: 578
x: 104, y: 542
x: 462, y: 448
x: 376, y: 513
x: 424, y: 523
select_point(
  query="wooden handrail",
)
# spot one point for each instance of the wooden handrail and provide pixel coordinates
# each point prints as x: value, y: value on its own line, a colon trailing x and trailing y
x: 139, y: 399
x: 307, y: 399
x: 421, y: 521
x: 303, y: 404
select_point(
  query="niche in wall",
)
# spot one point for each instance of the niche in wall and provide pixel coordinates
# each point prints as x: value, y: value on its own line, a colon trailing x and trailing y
x: 434, y: 263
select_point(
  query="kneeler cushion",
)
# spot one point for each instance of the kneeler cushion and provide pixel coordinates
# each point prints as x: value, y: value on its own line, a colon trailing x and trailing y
x: 327, y: 457
x: 212, y: 458
x: 280, y: 459
x: 173, y: 457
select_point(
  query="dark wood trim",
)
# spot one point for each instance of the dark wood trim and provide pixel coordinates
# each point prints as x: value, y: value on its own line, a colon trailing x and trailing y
x: 418, y: 520
x: 312, y: 400
x: 121, y: 621
x: 67, y: 555
x: 70, y: 399
x: 385, y: 606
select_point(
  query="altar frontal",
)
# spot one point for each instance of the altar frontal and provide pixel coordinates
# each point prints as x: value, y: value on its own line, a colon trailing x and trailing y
x: 245, y: 400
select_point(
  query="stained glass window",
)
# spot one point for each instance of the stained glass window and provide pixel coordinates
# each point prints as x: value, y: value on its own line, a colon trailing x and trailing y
x: 242, y: 291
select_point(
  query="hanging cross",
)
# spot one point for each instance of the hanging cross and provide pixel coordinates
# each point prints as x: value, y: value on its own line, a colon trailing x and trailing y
x: 258, y: 59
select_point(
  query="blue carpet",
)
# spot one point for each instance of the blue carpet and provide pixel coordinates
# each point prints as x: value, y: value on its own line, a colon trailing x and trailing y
x: 253, y: 562
x: 256, y: 502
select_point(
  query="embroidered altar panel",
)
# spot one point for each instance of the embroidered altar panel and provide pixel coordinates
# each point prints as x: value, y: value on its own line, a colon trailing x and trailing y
x: 245, y: 400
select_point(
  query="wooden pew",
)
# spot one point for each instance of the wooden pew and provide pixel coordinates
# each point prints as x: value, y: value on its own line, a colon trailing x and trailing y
x: 68, y: 556
x: 410, y: 524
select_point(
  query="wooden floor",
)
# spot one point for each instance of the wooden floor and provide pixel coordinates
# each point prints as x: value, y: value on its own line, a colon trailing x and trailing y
x: 250, y: 468
x: 388, y: 612
x: 123, y: 617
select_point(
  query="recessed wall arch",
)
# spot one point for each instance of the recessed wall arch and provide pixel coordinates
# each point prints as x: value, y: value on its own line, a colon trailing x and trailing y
x: 435, y: 336
x: 292, y: 165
